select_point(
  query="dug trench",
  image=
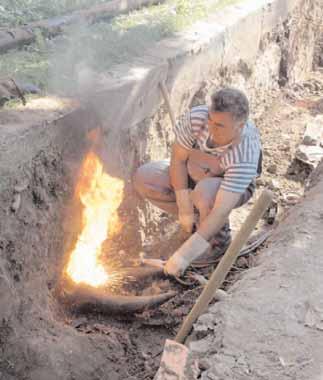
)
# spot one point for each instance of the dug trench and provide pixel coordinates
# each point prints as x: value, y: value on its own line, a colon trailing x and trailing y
x: 125, y: 345
x: 43, y: 147
x: 128, y: 344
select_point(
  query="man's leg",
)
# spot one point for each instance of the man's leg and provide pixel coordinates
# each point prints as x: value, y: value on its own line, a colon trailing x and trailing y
x: 203, y: 197
x: 152, y: 182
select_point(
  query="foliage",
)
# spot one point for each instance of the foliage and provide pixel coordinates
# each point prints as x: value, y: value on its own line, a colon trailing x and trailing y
x: 18, y: 12
x: 56, y: 63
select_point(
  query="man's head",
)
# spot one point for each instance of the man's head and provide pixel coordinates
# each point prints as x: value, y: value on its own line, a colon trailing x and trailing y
x: 228, y: 112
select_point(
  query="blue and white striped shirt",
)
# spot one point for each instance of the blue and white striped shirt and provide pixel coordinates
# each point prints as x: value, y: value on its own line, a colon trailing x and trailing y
x: 239, y: 162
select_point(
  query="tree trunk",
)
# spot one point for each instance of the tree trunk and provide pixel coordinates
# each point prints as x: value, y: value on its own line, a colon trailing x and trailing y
x: 17, y: 37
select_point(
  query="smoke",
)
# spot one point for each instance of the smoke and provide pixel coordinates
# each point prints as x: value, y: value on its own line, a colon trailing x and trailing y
x: 85, y: 52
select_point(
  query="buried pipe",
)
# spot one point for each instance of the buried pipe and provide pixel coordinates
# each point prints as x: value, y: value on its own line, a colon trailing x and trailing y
x: 84, y: 298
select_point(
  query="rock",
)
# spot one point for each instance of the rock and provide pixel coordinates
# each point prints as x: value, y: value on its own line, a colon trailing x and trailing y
x: 79, y: 322
x: 16, y: 203
x: 314, y: 132
x: 177, y: 360
x: 220, y: 295
x: 271, y: 212
x: 260, y: 182
x: 21, y: 187
x: 266, y: 152
x: 272, y: 169
x: 206, y: 322
x: 314, y: 317
x: 273, y: 184
x: 204, y: 364
x: 310, y: 155
x: 285, y: 147
x: 242, y: 262
x: 291, y: 198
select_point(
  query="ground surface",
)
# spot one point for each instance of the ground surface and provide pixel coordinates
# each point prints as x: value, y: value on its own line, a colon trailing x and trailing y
x: 270, y: 327
x: 58, y: 64
x: 45, y: 341
x: 139, y: 340
x: 282, y: 128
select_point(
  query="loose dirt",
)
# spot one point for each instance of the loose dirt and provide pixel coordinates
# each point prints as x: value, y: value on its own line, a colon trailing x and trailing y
x: 134, y: 344
x: 282, y: 126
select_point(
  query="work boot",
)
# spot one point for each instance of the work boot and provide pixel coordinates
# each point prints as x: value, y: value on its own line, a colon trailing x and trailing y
x: 219, y: 244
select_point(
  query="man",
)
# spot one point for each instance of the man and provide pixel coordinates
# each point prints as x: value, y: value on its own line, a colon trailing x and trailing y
x: 214, y: 162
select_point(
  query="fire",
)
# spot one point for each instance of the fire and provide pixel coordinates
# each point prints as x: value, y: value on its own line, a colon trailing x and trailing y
x: 101, y: 195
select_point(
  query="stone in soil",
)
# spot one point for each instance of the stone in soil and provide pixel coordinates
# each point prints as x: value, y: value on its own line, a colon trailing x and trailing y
x: 314, y: 132
x: 272, y: 169
x: 310, y: 155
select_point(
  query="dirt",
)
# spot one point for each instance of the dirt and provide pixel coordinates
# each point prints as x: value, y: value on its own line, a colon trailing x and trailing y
x: 282, y: 128
x: 269, y: 327
x: 134, y: 344
x: 40, y: 339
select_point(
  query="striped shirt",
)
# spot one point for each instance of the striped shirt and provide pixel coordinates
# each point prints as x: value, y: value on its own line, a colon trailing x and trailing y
x: 239, y: 162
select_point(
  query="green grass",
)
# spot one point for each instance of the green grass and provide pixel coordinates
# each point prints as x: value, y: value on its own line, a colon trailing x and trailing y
x: 103, y: 45
x: 30, y: 64
x: 167, y: 18
x: 14, y: 103
x: 18, y: 12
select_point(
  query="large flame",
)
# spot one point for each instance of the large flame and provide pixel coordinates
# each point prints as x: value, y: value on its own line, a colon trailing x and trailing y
x: 101, y: 195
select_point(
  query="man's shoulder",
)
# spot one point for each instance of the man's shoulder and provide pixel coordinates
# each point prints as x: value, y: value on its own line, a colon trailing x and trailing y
x: 250, y: 132
x: 247, y: 150
x: 200, y: 111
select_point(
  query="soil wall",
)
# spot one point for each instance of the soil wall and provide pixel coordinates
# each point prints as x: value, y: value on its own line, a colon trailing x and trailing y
x: 254, y: 47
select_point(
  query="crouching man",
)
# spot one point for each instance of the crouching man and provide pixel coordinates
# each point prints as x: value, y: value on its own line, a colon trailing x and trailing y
x: 214, y: 162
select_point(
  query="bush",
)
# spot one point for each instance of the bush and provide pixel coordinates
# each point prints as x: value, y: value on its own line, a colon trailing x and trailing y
x: 18, y: 12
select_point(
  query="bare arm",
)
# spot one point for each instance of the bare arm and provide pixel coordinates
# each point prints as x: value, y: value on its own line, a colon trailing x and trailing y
x: 224, y: 203
x: 178, y: 169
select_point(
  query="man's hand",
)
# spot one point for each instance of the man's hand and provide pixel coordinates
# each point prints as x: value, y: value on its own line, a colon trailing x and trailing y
x: 194, y: 247
x: 185, y: 209
x: 179, y: 181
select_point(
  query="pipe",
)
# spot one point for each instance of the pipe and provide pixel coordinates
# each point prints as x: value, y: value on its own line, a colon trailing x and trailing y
x: 84, y: 298
x: 87, y: 299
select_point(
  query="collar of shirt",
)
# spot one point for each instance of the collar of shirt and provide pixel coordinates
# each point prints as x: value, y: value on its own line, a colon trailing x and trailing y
x: 219, y: 150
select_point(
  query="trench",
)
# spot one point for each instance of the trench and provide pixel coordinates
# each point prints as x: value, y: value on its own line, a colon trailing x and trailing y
x: 41, y: 155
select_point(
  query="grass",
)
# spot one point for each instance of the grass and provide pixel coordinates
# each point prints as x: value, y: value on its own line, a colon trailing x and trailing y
x: 54, y: 64
x: 18, y: 12
x: 26, y: 66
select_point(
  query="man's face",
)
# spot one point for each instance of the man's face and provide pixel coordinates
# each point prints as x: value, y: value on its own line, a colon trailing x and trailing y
x: 223, y: 128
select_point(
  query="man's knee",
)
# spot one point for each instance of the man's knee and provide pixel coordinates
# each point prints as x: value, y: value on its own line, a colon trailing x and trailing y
x: 152, y: 181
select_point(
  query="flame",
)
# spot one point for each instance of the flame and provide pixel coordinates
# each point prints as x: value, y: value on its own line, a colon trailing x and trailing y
x: 101, y: 195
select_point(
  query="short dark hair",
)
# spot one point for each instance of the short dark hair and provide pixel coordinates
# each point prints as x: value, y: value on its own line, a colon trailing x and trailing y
x: 231, y: 100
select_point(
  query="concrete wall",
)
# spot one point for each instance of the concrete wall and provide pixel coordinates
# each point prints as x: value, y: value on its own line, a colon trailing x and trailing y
x: 235, y: 40
x: 255, y: 46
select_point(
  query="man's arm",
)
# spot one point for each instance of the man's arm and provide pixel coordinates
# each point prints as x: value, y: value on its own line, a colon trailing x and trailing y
x: 198, y: 244
x: 178, y: 168
x: 179, y: 181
